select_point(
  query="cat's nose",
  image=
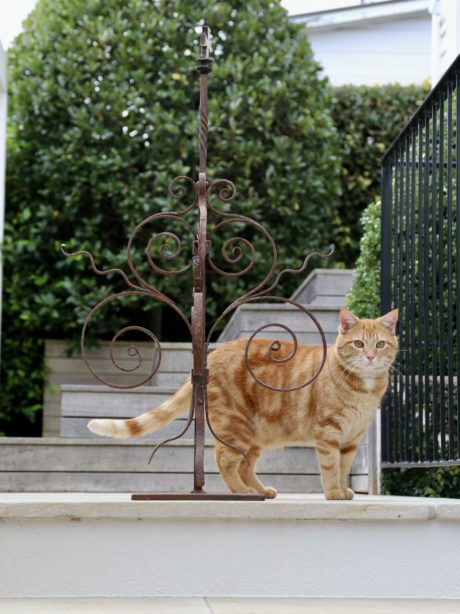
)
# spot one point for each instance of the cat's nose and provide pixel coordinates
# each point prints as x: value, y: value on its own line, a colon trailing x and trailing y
x: 370, y: 358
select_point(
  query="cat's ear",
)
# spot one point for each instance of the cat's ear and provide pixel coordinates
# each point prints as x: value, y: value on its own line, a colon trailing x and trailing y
x: 389, y: 320
x: 347, y: 321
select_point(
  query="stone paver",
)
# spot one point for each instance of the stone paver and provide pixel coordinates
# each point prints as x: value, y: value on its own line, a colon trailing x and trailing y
x: 224, y: 605
x: 333, y: 606
x: 161, y: 605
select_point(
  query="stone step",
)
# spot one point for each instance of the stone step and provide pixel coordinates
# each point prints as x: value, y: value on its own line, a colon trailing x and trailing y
x: 62, y: 368
x: 79, y: 404
x: 251, y: 316
x: 88, y: 465
x: 176, y: 363
x: 325, y: 287
x: 77, y: 427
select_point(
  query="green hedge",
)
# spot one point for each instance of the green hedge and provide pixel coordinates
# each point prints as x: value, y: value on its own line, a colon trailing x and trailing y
x: 103, y: 114
x: 367, y: 119
x: 364, y: 301
x: 364, y: 296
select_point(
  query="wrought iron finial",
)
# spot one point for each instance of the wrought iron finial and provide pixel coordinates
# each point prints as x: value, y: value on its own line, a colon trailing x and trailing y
x: 204, y: 68
x: 204, y: 61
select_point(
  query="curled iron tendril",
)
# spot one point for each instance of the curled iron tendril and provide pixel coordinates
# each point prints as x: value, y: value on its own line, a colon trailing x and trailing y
x: 164, y: 249
x: 165, y: 253
x: 276, y: 345
x: 177, y: 191
x: 88, y: 255
x: 132, y: 350
x: 299, y: 270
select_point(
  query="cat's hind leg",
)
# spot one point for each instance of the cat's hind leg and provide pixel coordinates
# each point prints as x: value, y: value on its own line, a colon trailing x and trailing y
x: 229, y: 461
x: 249, y: 477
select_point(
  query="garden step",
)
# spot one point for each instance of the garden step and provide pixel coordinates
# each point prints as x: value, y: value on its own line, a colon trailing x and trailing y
x: 89, y: 465
x: 325, y: 287
x: 80, y: 404
x: 251, y: 316
x: 175, y: 365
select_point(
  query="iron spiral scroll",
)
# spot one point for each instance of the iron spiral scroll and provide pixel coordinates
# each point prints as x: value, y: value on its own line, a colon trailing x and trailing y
x: 237, y: 253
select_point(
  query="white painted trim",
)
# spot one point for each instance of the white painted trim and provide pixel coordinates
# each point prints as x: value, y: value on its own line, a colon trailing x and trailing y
x: 372, y: 12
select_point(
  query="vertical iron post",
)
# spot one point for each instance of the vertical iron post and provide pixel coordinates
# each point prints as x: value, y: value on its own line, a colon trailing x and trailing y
x: 385, y: 276
x: 200, y: 372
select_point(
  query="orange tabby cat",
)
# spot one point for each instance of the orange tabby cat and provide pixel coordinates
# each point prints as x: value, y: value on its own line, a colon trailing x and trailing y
x: 331, y: 414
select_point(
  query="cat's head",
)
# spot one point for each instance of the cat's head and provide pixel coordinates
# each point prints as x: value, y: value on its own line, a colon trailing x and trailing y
x: 367, y: 346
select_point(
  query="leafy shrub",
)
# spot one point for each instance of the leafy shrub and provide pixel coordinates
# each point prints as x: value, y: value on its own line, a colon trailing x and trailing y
x: 367, y: 119
x: 103, y: 114
x: 364, y: 296
x: 417, y: 482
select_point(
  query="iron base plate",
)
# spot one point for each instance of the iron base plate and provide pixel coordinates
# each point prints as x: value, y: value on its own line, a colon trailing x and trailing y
x: 197, y: 496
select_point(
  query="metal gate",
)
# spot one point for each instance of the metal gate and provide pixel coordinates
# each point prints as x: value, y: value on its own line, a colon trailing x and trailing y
x: 421, y: 276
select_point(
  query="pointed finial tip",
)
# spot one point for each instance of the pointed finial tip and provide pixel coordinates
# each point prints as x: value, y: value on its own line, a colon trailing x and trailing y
x: 204, y: 61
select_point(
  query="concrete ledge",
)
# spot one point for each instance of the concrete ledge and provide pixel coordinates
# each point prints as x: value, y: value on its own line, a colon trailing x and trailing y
x: 88, y: 545
x: 285, y: 507
x: 216, y: 605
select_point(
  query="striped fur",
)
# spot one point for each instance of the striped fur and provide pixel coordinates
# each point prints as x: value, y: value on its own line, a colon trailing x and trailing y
x: 331, y: 414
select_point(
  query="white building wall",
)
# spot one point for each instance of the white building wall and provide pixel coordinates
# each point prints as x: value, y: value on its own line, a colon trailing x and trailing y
x: 445, y: 36
x: 394, y: 50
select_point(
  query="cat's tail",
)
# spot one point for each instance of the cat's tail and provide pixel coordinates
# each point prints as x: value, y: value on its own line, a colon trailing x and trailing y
x: 153, y: 420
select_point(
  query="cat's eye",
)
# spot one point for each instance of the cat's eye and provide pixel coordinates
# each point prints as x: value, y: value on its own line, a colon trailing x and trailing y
x: 359, y: 344
x: 380, y: 344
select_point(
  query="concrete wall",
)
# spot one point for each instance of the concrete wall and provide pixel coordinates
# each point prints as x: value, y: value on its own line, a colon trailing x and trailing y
x: 106, y: 545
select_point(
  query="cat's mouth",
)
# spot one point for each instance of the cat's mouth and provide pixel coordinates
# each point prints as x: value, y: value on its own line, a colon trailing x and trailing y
x: 368, y: 366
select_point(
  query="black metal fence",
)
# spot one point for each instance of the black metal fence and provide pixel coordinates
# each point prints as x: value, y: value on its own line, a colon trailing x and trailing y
x: 421, y: 276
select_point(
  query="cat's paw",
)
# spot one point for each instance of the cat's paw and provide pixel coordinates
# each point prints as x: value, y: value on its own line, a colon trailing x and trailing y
x: 249, y: 491
x: 339, y: 494
x: 270, y: 492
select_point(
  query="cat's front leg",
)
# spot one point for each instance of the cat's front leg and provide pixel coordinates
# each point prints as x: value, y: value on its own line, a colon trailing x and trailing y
x: 347, y: 455
x: 328, y: 452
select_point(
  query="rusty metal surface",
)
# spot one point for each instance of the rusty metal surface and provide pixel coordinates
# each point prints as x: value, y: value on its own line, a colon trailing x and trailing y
x: 235, y: 251
x: 202, y: 496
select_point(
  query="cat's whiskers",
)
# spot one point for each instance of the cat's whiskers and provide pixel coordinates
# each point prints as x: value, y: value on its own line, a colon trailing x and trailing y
x: 397, y: 369
x: 348, y: 369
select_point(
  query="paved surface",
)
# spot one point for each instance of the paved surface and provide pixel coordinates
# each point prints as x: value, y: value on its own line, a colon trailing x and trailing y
x: 292, y: 507
x: 228, y: 606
